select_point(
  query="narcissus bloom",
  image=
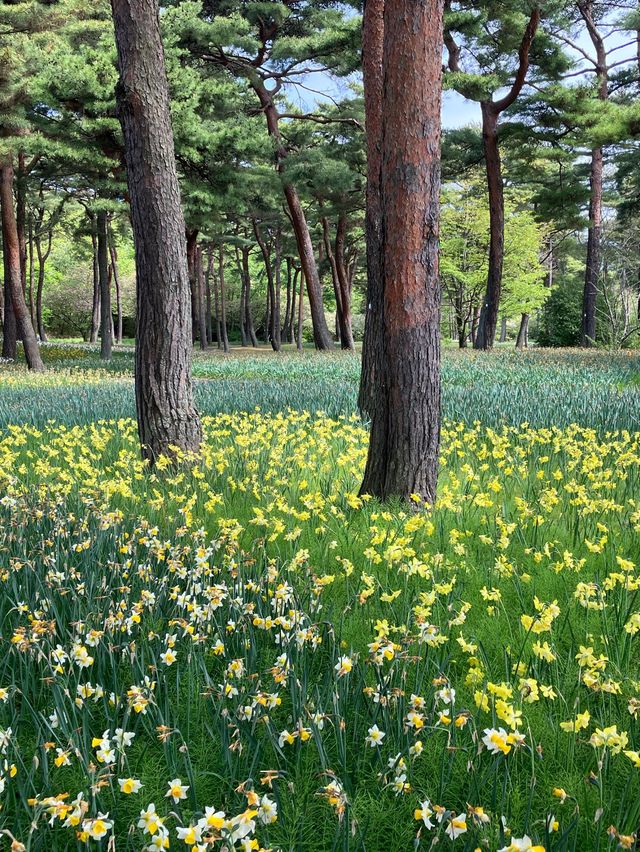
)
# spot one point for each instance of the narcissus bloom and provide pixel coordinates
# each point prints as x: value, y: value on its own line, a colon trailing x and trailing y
x: 424, y: 813
x: 177, y: 790
x: 129, y: 785
x: 522, y: 844
x: 496, y: 740
x: 375, y: 736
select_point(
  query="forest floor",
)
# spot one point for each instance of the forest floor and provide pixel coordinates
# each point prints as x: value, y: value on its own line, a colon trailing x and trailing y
x: 245, y: 649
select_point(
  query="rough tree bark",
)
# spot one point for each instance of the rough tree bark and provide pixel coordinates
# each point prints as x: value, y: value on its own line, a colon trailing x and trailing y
x: 167, y: 418
x: 491, y: 111
x: 596, y: 177
x: 21, y: 216
x: 105, y: 286
x: 9, y: 333
x: 372, y: 48
x: 11, y: 247
x: 405, y: 426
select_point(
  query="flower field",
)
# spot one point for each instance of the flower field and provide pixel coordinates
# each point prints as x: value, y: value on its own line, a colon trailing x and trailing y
x: 244, y: 654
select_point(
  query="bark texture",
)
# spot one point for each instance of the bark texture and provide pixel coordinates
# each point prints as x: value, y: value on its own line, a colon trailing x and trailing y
x: 11, y: 248
x: 9, y: 335
x: 164, y: 398
x: 596, y: 178
x: 372, y: 51
x: 404, y: 401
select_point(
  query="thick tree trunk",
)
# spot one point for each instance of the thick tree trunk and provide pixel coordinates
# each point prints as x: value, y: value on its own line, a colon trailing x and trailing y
x: 523, y: 332
x: 9, y: 332
x: 596, y: 178
x: 223, y: 301
x: 166, y: 415
x: 106, y: 320
x: 405, y: 426
x: 486, y: 332
x: 21, y: 217
x: 372, y: 374
x: 113, y: 253
x: 11, y: 247
x: 594, y: 250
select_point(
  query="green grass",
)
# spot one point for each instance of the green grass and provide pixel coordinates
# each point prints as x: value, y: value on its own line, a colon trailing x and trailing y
x: 90, y: 539
x: 541, y: 387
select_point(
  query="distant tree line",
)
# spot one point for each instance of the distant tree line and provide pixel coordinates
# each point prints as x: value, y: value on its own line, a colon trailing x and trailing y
x: 272, y: 175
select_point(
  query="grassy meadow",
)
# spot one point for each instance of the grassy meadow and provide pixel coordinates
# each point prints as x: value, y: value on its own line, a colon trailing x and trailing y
x: 244, y: 654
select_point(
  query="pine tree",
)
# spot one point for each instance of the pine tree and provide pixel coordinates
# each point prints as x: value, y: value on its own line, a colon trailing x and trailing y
x: 496, y: 51
x: 166, y: 415
x: 18, y: 22
x: 269, y: 45
x: 405, y: 400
